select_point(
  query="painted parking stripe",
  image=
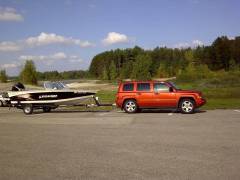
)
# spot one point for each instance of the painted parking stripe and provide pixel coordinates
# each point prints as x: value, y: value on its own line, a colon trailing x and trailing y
x: 103, y: 114
x: 237, y: 110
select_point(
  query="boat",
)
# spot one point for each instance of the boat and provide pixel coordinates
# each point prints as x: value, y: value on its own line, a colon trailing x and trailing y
x: 53, y: 95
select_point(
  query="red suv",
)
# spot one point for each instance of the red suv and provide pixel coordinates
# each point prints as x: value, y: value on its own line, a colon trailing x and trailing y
x: 136, y: 95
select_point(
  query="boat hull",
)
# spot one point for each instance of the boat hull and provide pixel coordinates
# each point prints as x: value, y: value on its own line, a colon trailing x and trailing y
x: 49, y: 97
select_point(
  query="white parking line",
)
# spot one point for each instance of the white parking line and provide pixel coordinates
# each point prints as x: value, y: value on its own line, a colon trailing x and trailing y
x: 170, y: 114
x: 103, y: 114
x: 237, y: 110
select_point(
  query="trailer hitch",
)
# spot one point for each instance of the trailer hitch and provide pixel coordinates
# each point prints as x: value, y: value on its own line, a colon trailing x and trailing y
x: 96, y: 99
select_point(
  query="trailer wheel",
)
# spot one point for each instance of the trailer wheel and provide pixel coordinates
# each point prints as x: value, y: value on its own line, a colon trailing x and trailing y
x: 46, y: 109
x: 1, y: 104
x: 28, y: 109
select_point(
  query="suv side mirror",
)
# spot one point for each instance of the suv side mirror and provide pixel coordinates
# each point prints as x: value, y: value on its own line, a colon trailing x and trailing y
x: 170, y: 89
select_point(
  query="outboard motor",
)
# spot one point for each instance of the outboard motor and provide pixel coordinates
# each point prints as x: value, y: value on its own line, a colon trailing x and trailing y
x: 18, y: 87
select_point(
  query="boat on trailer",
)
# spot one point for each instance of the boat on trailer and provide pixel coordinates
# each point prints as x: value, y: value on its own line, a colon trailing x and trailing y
x: 53, y: 95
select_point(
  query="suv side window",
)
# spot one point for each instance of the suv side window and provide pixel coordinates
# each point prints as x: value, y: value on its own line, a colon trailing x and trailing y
x: 143, y: 86
x: 128, y: 87
x: 160, y: 87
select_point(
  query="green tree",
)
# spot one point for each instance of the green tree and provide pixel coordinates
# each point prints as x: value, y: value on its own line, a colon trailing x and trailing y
x: 112, y: 71
x: 29, y: 73
x: 3, y: 76
x: 189, y: 56
x: 232, y: 65
x: 126, y: 70
x: 141, y: 67
x: 105, y: 74
x: 221, y: 53
x: 162, y: 71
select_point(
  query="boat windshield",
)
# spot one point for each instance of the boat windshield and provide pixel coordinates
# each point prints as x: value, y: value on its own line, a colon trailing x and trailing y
x: 54, y: 85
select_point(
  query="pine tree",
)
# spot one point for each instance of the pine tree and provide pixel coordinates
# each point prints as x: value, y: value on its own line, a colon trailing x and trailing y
x: 141, y: 68
x: 3, y: 76
x: 105, y: 74
x: 232, y: 65
x: 112, y: 71
x: 29, y: 73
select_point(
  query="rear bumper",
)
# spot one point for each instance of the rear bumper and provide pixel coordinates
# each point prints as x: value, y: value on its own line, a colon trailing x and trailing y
x: 118, y: 104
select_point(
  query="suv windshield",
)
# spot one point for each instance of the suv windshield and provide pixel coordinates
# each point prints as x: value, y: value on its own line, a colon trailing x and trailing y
x: 174, y: 85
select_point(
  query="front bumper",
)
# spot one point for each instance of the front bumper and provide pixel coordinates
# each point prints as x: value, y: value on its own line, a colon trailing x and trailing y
x: 201, y: 102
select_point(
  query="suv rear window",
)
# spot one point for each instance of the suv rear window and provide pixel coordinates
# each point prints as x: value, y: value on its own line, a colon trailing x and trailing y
x: 143, y: 86
x: 128, y: 87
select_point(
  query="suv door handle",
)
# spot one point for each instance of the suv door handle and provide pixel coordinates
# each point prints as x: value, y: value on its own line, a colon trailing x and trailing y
x: 139, y: 93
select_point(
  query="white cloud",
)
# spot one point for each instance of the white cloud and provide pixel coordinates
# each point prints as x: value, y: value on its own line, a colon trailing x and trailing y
x: 59, y: 55
x: 9, y: 66
x: 7, y: 46
x: 231, y: 37
x: 195, y: 43
x: 50, y: 59
x: 113, y: 38
x: 41, y: 40
x: 10, y: 14
x: 182, y: 45
x: 51, y: 38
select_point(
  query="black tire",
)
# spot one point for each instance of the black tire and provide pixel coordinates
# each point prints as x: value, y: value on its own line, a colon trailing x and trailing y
x: 28, y: 109
x: 130, y: 106
x: 1, y: 104
x: 187, y: 106
x: 46, y: 109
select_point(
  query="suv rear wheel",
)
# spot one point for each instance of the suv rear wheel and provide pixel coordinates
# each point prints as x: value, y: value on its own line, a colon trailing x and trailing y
x: 187, y: 106
x: 130, y: 106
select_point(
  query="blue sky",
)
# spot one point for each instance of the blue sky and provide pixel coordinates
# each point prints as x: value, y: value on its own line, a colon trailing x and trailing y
x: 66, y: 34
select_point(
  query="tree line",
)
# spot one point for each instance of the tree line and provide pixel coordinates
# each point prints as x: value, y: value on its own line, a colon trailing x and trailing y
x: 29, y: 74
x: 137, y: 63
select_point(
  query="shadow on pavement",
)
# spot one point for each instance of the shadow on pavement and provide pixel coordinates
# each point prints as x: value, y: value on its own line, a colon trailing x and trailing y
x: 58, y: 111
x: 70, y: 111
x: 168, y: 111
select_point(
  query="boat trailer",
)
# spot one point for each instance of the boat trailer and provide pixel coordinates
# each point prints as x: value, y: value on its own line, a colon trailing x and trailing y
x: 29, y: 107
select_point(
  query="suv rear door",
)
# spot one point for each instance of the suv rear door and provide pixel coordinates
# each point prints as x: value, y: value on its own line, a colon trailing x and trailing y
x: 162, y: 97
x: 144, y: 94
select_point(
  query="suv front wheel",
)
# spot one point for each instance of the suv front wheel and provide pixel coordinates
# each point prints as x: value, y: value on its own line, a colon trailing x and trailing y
x: 187, y: 106
x: 130, y: 106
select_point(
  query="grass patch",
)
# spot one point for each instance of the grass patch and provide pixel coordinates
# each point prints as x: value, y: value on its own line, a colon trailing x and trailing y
x: 226, y: 103
x: 106, y: 96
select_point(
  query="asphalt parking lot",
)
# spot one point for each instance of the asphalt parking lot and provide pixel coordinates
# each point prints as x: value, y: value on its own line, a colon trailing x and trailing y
x: 115, y: 145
